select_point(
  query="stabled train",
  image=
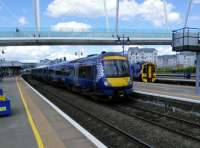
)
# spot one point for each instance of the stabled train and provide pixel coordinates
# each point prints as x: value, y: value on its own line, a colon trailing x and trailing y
x: 144, y: 71
x: 107, y: 74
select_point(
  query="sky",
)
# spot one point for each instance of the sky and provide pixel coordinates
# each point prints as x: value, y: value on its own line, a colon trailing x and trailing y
x: 62, y: 15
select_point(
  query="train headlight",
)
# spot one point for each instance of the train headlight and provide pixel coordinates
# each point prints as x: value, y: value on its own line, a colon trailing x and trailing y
x: 106, y: 83
x: 130, y: 82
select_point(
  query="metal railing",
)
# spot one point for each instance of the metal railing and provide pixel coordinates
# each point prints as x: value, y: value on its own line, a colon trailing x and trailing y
x: 89, y: 33
x: 185, y: 38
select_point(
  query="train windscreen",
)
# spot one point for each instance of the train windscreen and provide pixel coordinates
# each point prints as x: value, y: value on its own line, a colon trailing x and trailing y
x: 116, y: 68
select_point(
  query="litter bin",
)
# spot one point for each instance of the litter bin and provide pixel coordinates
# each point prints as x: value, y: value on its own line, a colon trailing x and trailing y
x: 5, y: 108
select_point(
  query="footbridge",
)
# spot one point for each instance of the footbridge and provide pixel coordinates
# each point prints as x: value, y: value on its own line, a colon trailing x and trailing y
x: 133, y: 37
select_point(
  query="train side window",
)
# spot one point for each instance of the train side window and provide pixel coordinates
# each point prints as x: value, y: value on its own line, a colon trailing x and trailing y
x: 85, y: 72
x: 145, y: 69
x: 61, y: 72
x: 153, y: 68
x: 69, y: 71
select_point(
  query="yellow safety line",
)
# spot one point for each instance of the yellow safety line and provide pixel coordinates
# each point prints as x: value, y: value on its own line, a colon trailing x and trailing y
x: 30, y: 119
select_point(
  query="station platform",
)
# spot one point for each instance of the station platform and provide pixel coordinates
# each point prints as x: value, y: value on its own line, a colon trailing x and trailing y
x: 188, y: 82
x: 170, y: 90
x: 35, y: 122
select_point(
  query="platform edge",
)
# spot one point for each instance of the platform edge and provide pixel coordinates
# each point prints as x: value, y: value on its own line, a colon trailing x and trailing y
x: 92, y: 138
x: 169, y: 97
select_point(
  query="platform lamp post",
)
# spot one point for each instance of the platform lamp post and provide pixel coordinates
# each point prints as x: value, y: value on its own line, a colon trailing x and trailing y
x: 2, y: 59
x: 123, y: 40
x: 3, y: 52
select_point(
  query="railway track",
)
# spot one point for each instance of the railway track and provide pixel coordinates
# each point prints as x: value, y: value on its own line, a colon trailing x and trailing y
x: 171, y: 123
x: 114, y: 132
x: 117, y: 131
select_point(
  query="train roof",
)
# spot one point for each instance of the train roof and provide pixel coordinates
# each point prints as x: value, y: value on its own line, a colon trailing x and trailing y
x: 97, y: 56
x: 88, y: 58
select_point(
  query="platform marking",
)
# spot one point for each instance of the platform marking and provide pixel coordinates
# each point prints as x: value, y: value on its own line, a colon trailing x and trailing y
x: 173, y: 93
x: 93, y: 139
x: 163, y: 85
x: 30, y: 119
x: 169, y: 97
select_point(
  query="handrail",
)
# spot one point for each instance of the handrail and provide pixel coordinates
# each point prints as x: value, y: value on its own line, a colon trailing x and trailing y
x: 50, y: 34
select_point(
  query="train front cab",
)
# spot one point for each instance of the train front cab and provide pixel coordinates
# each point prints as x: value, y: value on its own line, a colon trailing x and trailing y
x: 117, y: 79
x: 148, y: 72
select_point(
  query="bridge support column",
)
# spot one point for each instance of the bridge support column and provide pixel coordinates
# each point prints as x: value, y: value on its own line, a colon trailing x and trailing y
x: 197, y: 73
x: 117, y: 17
x: 37, y: 17
x: 188, y: 12
x: 106, y: 15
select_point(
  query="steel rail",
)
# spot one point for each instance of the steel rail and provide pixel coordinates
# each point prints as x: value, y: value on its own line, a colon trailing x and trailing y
x: 122, y: 110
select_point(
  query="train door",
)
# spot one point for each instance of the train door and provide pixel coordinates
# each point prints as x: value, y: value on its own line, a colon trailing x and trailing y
x: 148, y: 74
x: 76, y: 74
x: 144, y: 72
x: 86, y: 76
x: 153, y: 73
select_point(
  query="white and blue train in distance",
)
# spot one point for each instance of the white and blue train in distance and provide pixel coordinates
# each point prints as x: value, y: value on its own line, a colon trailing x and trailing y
x: 107, y: 74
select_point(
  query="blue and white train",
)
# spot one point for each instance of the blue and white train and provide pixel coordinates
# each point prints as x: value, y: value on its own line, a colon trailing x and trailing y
x: 106, y: 74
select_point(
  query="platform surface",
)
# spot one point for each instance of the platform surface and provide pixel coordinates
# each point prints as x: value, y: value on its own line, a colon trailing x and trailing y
x: 54, y: 130
x: 167, y: 89
x: 15, y: 130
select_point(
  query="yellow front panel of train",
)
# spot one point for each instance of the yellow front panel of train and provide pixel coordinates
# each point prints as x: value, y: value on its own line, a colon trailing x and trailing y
x: 2, y: 98
x: 118, y: 82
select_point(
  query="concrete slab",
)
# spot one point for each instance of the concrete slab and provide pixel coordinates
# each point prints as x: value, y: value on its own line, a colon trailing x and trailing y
x: 167, y: 89
x: 51, y: 124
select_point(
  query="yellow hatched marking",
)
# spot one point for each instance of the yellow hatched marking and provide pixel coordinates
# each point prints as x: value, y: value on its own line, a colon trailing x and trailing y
x: 30, y: 119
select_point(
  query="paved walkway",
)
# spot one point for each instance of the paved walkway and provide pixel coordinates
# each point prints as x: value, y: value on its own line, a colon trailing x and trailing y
x: 15, y: 130
x: 167, y: 89
x: 34, y: 123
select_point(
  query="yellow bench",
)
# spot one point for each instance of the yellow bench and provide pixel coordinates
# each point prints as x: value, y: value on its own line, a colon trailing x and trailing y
x: 2, y: 98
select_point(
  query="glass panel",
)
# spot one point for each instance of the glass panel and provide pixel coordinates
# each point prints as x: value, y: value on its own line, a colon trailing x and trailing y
x: 115, y: 68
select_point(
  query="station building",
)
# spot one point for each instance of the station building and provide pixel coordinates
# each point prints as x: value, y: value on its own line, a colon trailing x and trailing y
x: 13, y: 68
x: 166, y: 61
x: 186, y: 59
x: 142, y: 54
x: 183, y: 59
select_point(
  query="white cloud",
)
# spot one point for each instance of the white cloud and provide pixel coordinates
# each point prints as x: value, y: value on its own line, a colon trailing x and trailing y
x: 118, y: 48
x: 22, y: 21
x: 164, y: 50
x: 149, y: 10
x: 194, y: 18
x: 70, y: 26
x: 196, y: 1
x: 36, y: 53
